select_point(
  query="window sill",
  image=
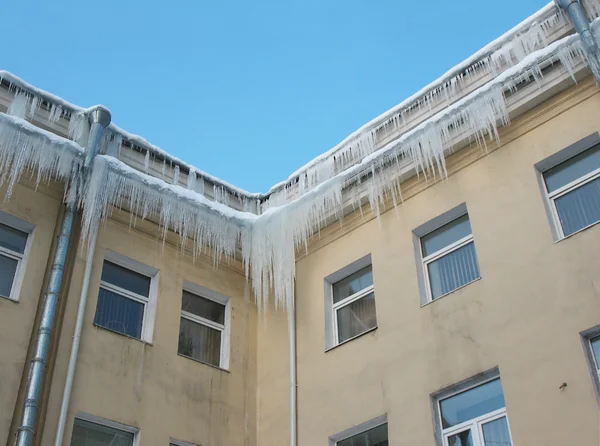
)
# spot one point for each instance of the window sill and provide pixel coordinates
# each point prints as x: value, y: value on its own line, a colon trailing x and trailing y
x: 370, y: 330
x: 122, y: 334
x: 205, y: 363
x: 576, y: 232
x: 451, y: 292
x: 16, y: 301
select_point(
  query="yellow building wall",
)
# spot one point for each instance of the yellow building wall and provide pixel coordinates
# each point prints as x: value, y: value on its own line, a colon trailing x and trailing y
x: 524, y: 315
x: 40, y: 208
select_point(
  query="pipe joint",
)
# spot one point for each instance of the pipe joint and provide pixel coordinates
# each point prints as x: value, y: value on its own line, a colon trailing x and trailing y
x: 100, y: 115
x: 564, y: 4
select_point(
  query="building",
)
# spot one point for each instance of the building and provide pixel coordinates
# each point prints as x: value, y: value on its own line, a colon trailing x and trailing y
x: 432, y: 280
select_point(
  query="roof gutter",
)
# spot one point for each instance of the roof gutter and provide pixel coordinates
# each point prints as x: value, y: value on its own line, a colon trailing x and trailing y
x: 582, y: 25
x: 99, y: 117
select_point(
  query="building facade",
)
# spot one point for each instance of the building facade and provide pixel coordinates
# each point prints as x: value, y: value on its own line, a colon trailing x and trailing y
x: 445, y: 297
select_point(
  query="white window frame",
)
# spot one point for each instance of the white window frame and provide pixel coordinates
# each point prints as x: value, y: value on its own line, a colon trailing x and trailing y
x: 23, y: 226
x: 149, y: 302
x: 596, y: 360
x: 109, y: 423
x: 550, y: 198
x: 331, y: 308
x: 476, y: 426
x: 359, y: 429
x: 587, y: 337
x: 224, y: 328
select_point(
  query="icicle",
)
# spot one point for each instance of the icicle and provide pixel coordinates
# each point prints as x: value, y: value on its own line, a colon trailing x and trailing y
x: 176, y: 175
x: 78, y: 127
x: 55, y: 113
x: 147, y: 162
x: 34, y: 104
x: 191, y: 180
x: 113, y: 144
x: 18, y: 106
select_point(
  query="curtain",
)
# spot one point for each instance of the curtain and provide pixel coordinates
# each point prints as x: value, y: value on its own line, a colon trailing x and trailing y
x: 92, y: 434
x: 356, y: 317
x: 119, y: 313
x: 453, y: 270
x: 579, y: 208
x: 200, y: 342
x: 464, y: 438
x: 495, y: 433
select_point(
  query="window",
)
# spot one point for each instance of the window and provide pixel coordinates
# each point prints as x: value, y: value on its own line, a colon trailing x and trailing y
x: 573, y: 189
x: 14, y: 244
x: 595, y: 348
x: 125, y: 299
x: 591, y: 346
x: 349, y: 303
x: 475, y: 416
x: 87, y: 433
x: 371, y: 433
x: 448, y: 257
x: 204, y: 326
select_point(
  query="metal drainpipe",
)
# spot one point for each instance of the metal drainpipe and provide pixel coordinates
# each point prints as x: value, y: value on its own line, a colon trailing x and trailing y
x: 99, y: 118
x: 293, y: 379
x: 37, y: 368
x: 582, y: 25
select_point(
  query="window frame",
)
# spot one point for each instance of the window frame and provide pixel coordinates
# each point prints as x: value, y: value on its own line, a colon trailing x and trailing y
x: 423, y: 262
x: 149, y: 302
x: 587, y: 337
x: 331, y: 308
x: 22, y: 259
x: 441, y: 434
x: 359, y: 429
x: 225, y: 329
x: 84, y: 416
x: 550, y: 198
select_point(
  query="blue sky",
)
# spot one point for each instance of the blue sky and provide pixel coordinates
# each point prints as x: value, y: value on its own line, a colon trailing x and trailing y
x: 247, y: 91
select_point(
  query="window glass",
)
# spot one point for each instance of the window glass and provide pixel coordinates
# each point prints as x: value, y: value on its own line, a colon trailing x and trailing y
x: 356, y: 317
x: 13, y: 239
x: 126, y: 279
x: 446, y: 235
x: 572, y: 169
x: 496, y: 433
x: 92, y: 434
x: 472, y: 403
x: 375, y: 437
x: 453, y: 270
x: 200, y: 306
x: 352, y: 284
x: 464, y: 438
x: 8, y: 269
x: 596, y: 349
x: 199, y: 342
x: 119, y: 313
x: 580, y: 207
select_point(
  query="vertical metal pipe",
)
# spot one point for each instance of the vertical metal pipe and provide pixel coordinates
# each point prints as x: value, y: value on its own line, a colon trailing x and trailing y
x: 99, y: 118
x: 293, y: 379
x: 582, y: 25
x: 37, y: 369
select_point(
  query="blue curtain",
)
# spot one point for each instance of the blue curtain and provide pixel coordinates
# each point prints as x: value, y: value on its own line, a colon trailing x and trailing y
x: 119, y: 313
x: 579, y: 208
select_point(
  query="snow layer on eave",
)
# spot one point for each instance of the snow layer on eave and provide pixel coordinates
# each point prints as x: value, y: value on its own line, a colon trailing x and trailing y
x: 479, y: 55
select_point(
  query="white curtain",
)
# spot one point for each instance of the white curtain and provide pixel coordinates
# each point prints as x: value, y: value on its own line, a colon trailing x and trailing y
x: 453, y: 270
x: 579, y: 208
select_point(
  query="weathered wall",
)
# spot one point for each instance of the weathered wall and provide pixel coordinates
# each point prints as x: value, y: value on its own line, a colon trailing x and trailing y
x: 41, y: 208
x: 524, y: 315
x: 149, y: 386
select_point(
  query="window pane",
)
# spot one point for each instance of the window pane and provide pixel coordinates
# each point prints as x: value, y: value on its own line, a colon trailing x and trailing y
x: 375, y: 437
x: 580, y: 207
x: 126, y: 279
x: 199, y: 342
x: 453, y: 270
x: 92, y: 434
x: 464, y: 438
x: 353, y: 284
x: 495, y: 433
x: 202, y: 307
x: 356, y: 318
x: 472, y: 403
x: 596, y: 349
x: 446, y: 235
x: 119, y: 313
x: 8, y: 269
x: 13, y: 239
x: 572, y: 169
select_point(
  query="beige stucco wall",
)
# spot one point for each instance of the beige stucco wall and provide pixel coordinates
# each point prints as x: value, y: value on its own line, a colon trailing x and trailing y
x: 149, y: 386
x: 41, y: 209
x: 524, y: 315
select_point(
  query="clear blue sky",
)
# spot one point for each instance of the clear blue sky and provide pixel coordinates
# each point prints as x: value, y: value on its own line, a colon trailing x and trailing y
x: 248, y: 91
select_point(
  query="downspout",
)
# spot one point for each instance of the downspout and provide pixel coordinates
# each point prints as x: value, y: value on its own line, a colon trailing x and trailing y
x: 99, y: 120
x: 293, y: 381
x: 582, y: 25
x: 41, y: 351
